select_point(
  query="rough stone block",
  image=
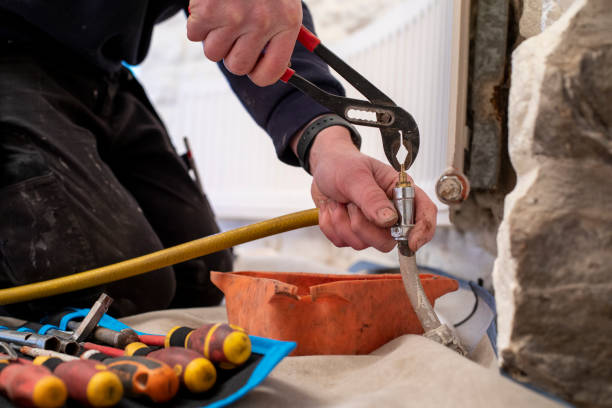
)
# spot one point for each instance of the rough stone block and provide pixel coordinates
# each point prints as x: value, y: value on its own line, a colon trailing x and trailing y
x: 537, y: 15
x: 553, y: 274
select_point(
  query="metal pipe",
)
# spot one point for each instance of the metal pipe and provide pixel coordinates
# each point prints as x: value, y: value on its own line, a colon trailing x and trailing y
x: 30, y: 339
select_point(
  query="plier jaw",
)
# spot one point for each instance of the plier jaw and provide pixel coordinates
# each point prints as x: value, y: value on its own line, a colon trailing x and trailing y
x: 392, y: 139
x: 397, y: 127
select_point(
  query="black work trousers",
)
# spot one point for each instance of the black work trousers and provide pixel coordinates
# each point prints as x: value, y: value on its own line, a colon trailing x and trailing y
x: 89, y: 177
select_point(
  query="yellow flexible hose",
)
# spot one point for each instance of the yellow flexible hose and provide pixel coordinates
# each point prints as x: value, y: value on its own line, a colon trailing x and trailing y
x: 159, y: 259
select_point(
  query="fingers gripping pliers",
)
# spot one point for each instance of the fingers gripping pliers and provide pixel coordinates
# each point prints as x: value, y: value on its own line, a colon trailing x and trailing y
x: 397, y: 127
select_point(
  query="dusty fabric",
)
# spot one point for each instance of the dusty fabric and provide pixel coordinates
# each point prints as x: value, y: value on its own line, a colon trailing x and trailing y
x: 408, y: 371
x: 89, y: 177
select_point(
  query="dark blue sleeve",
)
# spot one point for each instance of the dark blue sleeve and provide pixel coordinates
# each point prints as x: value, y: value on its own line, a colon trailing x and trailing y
x: 280, y: 109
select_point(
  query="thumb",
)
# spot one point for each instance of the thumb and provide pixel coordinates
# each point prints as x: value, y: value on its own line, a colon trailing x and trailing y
x: 367, y: 190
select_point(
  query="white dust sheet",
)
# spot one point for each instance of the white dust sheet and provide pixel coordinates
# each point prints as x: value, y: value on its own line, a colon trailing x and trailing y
x: 408, y: 371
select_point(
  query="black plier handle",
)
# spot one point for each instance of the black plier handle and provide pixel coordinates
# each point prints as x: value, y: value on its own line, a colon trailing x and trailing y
x: 395, y: 124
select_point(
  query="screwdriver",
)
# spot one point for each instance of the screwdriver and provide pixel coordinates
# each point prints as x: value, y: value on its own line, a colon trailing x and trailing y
x: 195, y: 372
x: 88, y: 381
x: 226, y: 345
x: 139, y: 376
x: 29, y: 385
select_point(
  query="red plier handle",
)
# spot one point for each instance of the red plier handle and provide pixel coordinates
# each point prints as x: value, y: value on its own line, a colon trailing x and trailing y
x: 395, y: 124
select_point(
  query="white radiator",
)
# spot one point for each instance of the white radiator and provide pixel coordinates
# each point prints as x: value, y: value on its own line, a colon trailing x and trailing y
x: 405, y: 53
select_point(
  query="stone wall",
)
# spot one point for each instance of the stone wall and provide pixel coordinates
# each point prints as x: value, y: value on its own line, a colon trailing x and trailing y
x: 537, y: 15
x: 497, y: 28
x: 553, y: 274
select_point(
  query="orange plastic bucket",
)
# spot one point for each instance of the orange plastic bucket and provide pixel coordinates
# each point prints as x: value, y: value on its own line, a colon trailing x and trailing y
x: 325, y: 314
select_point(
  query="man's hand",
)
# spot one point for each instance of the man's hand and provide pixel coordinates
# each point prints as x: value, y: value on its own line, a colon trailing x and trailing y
x: 352, y: 193
x: 237, y: 31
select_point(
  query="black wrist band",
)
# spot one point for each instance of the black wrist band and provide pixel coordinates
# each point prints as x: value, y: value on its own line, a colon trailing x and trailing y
x: 313, y: 129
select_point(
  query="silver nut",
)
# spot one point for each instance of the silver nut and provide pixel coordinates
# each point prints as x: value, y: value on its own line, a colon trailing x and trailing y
x: 450, y: 189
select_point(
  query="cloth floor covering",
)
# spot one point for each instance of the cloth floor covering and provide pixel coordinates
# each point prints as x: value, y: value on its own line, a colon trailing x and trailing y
x: 408, y: 371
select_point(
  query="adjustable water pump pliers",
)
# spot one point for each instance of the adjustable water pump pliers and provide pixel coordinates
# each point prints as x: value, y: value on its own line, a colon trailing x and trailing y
x: 397, y: 127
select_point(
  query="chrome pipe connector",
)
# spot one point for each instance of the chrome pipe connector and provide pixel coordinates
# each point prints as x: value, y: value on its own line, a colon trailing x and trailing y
x: 403, y: 200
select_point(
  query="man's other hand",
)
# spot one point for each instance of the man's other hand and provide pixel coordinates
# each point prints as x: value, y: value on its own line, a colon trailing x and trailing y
x: 238, y: 31
x: 352, y: 193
